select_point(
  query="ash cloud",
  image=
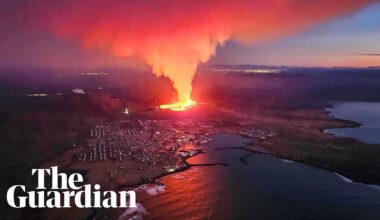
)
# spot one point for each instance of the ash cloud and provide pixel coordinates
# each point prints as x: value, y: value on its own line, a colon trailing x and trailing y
x: 173, y: 37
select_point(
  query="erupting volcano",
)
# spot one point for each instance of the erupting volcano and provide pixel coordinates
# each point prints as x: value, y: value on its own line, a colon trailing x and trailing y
x: 174, y: 37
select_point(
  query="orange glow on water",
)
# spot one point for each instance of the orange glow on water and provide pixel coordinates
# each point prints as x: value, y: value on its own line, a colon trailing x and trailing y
x: 179, y: 106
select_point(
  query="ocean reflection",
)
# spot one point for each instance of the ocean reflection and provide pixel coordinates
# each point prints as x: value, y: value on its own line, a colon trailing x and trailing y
x: 264, y: 188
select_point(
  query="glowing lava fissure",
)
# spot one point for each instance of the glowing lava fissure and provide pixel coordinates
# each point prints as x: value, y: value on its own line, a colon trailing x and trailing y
x: 179, y: 106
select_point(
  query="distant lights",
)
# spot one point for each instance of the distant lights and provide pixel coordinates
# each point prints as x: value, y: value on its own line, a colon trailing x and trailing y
x: 78, y: 91
x: 94, y: 74
x: 254, y: 70
x: 37, y: 95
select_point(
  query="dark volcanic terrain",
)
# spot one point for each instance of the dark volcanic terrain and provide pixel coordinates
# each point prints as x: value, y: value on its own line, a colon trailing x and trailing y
x: 281, y: 114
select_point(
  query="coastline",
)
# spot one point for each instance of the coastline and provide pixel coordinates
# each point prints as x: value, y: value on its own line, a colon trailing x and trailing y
x: 291, y: 148
x: 251, y: 152
x: 346, y: 124
x: 154, y: 179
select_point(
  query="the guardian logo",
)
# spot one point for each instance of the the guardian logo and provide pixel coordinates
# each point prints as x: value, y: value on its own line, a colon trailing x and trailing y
x: 65, y: 192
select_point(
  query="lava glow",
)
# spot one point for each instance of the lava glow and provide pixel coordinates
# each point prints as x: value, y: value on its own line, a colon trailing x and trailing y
x: 174, y: 37
x: 179, y: 106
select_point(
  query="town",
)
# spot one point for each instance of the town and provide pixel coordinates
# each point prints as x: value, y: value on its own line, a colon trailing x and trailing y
x: 150, y: 141
x: 155, y: 142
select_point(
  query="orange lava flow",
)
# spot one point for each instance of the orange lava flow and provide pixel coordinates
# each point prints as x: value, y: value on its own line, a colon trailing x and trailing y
x: 179, y: 106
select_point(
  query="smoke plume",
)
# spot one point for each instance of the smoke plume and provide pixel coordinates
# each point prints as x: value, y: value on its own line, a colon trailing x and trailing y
x: 174, y: 36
